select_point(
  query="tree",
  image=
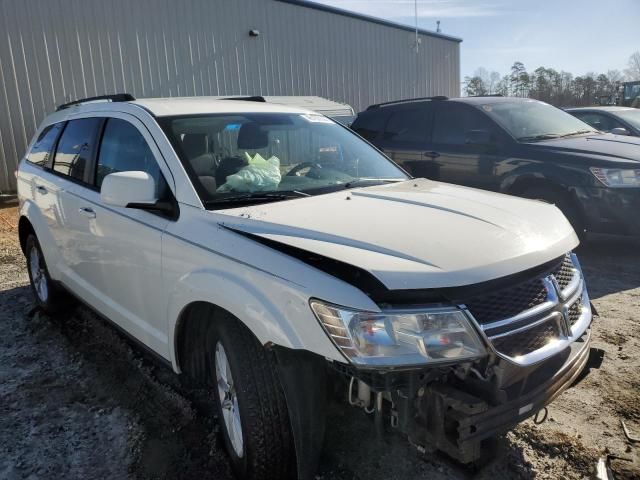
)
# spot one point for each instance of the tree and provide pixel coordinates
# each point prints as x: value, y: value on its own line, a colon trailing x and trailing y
x: 519, y: 80
x: 474, y: 86
x: 494, y: 79
x: 633, y: 71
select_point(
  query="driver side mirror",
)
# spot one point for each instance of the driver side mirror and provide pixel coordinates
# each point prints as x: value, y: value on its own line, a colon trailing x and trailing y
x: 620, y: 131
x: 134, y: 189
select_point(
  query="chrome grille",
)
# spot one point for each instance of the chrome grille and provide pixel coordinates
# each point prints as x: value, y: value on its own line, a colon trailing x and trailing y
x: 522, y: 321
x: 527, y: 341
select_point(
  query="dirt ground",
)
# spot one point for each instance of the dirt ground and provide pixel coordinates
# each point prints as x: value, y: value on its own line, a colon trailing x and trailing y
x: 77, y: 400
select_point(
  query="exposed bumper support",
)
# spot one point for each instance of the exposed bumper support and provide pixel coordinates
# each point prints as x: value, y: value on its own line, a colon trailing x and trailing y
x: 457, y: 422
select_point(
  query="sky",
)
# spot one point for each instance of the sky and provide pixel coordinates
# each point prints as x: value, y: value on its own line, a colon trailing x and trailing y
x: 577, y: 36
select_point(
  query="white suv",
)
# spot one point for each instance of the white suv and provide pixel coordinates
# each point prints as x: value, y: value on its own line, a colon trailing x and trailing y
x: 275, y: 255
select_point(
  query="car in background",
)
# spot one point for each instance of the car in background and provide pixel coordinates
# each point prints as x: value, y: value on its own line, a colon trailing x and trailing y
x: 616, y: 120
x: 517, y: 146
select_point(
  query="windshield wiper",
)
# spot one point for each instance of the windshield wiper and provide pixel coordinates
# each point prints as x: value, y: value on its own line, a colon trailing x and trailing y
x: 257, y: 197
x: 542, y: 136
x: 359, y: 182
x: 577, y: 132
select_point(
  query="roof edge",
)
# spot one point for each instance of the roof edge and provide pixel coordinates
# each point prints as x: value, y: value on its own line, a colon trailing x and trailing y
x: 368, y: 18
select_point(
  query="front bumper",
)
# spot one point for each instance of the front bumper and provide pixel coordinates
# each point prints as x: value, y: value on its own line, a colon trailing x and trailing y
x: 611, y: 210
x: 457, y: 422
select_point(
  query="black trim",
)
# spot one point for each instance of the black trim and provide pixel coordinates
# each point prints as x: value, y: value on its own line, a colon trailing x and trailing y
x: 116, y: 97
x: 367, y: 18
x: 407, y: 100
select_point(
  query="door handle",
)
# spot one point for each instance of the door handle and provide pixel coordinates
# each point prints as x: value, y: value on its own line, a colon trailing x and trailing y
x: 87, y: 212
x: 431, y: 154
x: 41, y: 189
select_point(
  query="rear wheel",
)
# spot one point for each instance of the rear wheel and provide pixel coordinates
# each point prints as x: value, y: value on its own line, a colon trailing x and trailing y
x: 49, y: 295
x: 563, y: 202
x: 251, y: 404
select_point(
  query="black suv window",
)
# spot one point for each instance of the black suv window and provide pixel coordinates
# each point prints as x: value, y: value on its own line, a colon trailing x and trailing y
x: 407, y: 126
x: 369, y: 124
x: 454, y: 121
x: 75, y: 148
x: 41, y: 150
x: 124, y: 149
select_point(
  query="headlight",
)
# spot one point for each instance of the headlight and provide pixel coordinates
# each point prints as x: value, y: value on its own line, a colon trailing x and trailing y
x: 617, y: 177
x: 400, y: 338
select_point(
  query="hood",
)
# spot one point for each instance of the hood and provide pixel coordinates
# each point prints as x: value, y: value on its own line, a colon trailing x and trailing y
x: 606, y: 146
x: 415, y: 234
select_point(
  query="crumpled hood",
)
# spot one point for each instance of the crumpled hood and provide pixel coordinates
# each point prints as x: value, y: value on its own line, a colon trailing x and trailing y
x: 416, y: 234
x: 611, y: 147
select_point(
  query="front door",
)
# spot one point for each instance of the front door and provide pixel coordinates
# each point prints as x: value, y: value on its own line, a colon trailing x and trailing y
x: 124, y: 246
x: 466, y: 146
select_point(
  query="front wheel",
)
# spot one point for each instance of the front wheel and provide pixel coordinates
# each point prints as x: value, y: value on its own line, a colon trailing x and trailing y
x: 251, y: 404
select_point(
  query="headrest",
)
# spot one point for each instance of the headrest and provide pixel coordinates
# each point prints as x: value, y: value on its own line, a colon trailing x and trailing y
x: 252, y: 137
x: 194, y: 144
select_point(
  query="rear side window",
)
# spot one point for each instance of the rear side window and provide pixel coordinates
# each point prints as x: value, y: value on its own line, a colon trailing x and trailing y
x: 454, y: 121
x: 75, y: 148
x: 600, y: 122
x: 41, y: 150
x: 369, y: 125
x: 407, y: 126
x: 124, y: 149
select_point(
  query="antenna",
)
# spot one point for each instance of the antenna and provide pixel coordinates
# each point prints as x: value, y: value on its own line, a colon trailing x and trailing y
x: 438, y: 27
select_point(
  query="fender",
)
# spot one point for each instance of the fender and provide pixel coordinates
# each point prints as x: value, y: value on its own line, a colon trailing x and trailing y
x: 255, y: 307
x: 41, y: 228
x: 563, y: 176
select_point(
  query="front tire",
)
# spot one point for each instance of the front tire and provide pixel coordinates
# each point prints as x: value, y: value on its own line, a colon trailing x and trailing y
x: 250, y: 402
x: 48, y: 294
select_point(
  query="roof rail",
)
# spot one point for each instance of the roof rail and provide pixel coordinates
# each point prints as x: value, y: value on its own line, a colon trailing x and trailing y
x: 116, y: 97
x: 407, y: 100
x: 251, y: 98
x: 487, y: 95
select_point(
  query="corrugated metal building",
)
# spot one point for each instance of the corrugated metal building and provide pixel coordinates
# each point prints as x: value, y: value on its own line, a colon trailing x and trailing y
x: 59, y: 50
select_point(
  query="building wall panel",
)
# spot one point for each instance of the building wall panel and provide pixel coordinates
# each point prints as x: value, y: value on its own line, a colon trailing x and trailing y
x: 56, y: 51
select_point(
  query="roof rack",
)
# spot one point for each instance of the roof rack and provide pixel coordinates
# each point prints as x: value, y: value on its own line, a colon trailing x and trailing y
x: 488, y: 95
x: 116, y: 97
x: 252, y: 98
x: 407, y: 100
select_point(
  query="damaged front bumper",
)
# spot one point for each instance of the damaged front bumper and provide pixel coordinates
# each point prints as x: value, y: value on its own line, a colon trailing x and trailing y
x: 452, y: 419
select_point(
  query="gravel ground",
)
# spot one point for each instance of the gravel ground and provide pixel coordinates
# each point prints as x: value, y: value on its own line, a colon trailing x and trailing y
x: 77, y: 400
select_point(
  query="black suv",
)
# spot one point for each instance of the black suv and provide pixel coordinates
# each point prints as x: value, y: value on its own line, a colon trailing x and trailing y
x: 517, y: 146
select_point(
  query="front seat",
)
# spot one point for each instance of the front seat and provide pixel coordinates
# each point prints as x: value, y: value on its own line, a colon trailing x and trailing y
x: 195, y: 147
x: 250, y: 137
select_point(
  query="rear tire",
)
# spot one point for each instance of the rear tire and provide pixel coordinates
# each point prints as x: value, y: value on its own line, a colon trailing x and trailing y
x: 49, y: 295
x: 563, y: 202
x: 251, y: 405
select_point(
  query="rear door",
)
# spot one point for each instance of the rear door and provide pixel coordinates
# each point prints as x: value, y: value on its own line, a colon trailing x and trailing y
x: 406, y: 138
x: 467, y: 146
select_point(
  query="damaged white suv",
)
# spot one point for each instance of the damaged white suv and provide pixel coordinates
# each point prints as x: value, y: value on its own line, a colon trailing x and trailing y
x: 273, y: 254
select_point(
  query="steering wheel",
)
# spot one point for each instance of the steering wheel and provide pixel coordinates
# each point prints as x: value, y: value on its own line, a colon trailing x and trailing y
x: 301, y: 166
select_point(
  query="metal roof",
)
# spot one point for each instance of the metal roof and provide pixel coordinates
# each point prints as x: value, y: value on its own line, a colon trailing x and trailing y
x: 368, y: 18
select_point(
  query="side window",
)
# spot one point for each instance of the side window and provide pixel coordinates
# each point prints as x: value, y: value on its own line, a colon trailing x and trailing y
x: 599, y: 122
x: 453, y: 122
x: 369, y: 125
x: 75, y: 147
x: 407, y: 126
x: 124, y: 149
x: 41, y: 150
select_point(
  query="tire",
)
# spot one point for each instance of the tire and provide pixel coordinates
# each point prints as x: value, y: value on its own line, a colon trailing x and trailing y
x: 252, y: 404
x: 563, y: 202
x: 49, y: 296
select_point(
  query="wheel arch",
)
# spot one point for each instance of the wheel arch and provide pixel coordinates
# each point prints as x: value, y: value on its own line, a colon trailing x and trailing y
x: 24, y: 229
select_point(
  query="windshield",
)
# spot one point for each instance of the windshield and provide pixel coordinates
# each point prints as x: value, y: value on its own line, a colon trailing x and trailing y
x: 271, y: 156
x: 532, y: 120
x: 630, y: 116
